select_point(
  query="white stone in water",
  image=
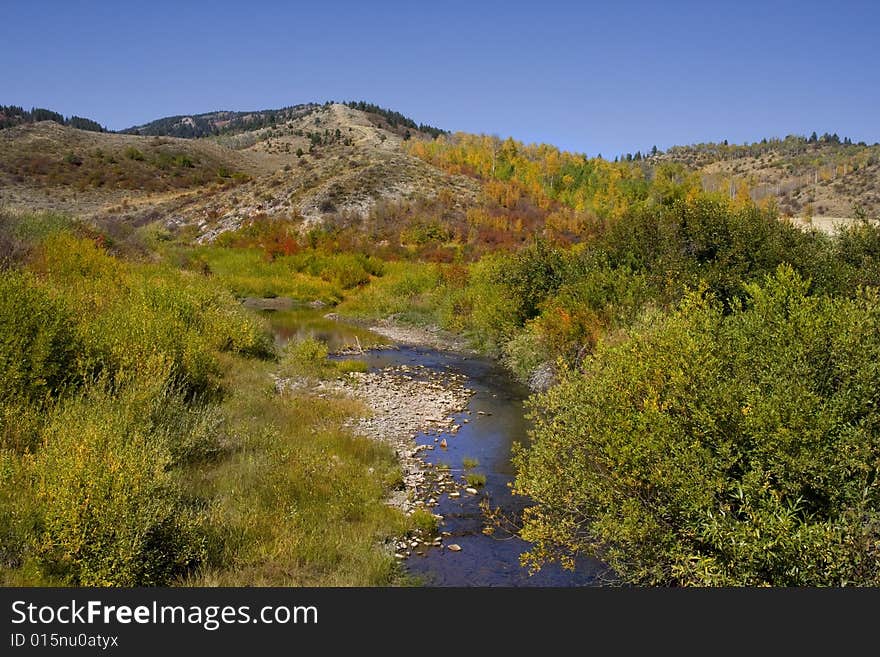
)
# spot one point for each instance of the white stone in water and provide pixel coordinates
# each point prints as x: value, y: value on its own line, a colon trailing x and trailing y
x: 472, y: 491
x: 454, y: 547
x: 454, y: 494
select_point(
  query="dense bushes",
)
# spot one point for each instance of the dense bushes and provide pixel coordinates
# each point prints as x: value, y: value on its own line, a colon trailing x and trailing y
x: 38, y: 345
x: 107, y: 368
x: 111, y: 512
x: 135, y: 317
x: 546, y: 302
x: 307, y: 275
x: 714, y: 448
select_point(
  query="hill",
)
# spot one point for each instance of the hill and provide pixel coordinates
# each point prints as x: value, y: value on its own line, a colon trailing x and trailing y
x: 310, y: 163
x: 209, y: 124
x: 193, y: 126
x: 12, y: 115
x: 807, y: 176
x: 48, y: 166
x: 368, y: 176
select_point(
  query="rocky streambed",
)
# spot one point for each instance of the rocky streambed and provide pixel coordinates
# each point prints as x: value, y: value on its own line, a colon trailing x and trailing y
x: 452, y: 419
x: 405, y: 402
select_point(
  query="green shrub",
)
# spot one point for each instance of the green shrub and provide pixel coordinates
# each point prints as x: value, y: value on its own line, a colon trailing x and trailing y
x: 19, y: 518
x: 347, y: 271
x: 495, y: 315
x: 130, y: 317
x: 718, y: 449
x: 524, y: 353
x: 112, y: 513
x: 247, y: 272
x: 20, y: 424
x: 406, y: 290
x: 307, y: 357
x: 38, y: 345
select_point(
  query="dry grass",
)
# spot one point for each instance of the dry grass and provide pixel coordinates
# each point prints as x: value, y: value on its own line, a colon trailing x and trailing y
x: 347, y: 165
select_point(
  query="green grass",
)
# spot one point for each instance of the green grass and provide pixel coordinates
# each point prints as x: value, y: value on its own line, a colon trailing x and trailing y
x: 424, y: 521
x: 299, y: 500
x: 308, y: 357
x: 406, y: 290
x: 474, y: 479
x: 248, y: 273
x: 469, y: 463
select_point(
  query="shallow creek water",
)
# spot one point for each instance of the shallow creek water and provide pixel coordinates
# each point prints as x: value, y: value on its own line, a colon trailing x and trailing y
x: 495, y: 421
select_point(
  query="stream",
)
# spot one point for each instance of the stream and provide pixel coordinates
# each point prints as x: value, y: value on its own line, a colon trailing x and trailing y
x: 492, y: 422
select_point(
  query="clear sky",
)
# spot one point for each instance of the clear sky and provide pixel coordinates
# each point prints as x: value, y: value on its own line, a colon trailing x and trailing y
x: 607, y: 77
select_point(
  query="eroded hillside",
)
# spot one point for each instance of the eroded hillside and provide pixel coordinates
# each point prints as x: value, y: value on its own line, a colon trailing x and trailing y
x: 329, y: 162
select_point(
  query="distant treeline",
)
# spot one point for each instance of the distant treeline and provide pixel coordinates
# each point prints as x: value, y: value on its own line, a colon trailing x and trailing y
x: 395, y: 119
x: 11, y: 115
x: 218, y: 123
x: 790, y: 146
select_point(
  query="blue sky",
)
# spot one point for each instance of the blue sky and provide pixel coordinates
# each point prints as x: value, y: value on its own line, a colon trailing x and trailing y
x: 607, y: 77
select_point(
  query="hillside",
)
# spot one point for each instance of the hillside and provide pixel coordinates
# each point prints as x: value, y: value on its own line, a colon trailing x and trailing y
x: 48, y: 166
x: 214, y: 123
x: 818, y: 176
x: 225, y: 122
x: 310, y: 163
x: 333, y: 164
x: 371, y: 176
x: 12, y: 115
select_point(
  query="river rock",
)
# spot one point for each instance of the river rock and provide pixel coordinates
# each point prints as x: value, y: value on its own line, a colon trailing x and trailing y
x: 472, y: 491
x: 454, y: 547
x: 406, y: 402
